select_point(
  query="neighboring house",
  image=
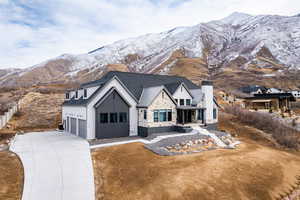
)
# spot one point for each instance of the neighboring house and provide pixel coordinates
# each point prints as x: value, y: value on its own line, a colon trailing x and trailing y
x: 129, y: 104
x: 254, y: 89
x: 275, y: 102
x: 274, y: 91
x: 296, y: 93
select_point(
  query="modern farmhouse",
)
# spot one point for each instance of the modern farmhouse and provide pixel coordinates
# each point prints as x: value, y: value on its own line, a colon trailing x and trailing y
x: 124, y: 104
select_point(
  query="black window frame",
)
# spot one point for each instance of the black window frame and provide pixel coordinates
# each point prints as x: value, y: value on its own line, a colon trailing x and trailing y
x: 200, y: 114
x: 186, y: 102
x: 85, y: 93
x: 215, y: 113
x: 113, y: 117
x: 122, y: 117
x: 105, y: 119
x: 181, y: 102
x: 156, y: 116
x: 169, y: 115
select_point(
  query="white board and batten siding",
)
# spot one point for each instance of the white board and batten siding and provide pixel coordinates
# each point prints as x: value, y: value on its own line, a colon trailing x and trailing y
x: 73, y: 117
x: 133, y: 115
x: 182, y: 93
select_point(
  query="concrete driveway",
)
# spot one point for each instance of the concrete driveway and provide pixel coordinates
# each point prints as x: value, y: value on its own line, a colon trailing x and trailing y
x: 57, y: 166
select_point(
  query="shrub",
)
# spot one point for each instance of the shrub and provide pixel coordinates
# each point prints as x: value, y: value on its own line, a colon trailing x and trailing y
x: 281, y: 132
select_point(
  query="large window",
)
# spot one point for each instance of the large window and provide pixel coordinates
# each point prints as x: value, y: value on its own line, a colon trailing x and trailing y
x: 113, y: 117
x: 122, y: 117
x: 188, y: 102
x: 200, y: 114
x: 155, y: 116
x: 162, y: 115
x: 182, y: 102
x: 103, y: 117
x: 215, y: 113
x: 169, y: 115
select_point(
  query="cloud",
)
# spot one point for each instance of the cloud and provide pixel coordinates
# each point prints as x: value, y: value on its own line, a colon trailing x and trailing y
x: 35, y: 30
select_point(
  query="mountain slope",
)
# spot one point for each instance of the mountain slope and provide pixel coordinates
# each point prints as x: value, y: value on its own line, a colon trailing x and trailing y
x: 267, y: 42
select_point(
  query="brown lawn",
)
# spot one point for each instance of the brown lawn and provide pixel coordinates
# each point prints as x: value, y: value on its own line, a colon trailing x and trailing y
x: 255, y: 170
x: 11, y: 176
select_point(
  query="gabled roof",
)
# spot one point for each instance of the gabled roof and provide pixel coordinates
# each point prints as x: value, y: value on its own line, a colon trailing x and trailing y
x: 149, y: 94
x: 253, y: 88
x: 136, y: 82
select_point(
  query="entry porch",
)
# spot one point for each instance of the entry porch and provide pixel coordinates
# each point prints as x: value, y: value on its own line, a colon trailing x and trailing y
x: 190, y: 115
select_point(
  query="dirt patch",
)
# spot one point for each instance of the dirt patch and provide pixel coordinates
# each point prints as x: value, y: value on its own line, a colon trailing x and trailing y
x: 11, y: 176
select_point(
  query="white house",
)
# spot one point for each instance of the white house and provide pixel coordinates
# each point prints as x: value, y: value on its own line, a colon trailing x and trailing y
x: 296, y: 93
x: 130, y: 104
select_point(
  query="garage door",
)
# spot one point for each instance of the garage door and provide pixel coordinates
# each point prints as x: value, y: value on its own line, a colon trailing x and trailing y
x: 73, y: 126
x: 82, y: 128
x: 112, y: 117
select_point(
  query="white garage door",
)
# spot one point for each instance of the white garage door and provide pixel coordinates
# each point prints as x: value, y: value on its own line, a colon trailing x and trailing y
x: 82, y: 128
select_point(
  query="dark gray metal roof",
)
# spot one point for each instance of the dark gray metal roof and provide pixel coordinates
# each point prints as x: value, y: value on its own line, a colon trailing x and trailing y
x: 136, y: 82
x: 273, y: 96
x: 253, y: 88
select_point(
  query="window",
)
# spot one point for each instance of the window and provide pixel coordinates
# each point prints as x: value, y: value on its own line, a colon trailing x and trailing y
x: 169, y: 115
x: 67, y: 95
x: 85, y: 93
x: 155, y: 116
x: 122, y: 117
x: 145, y: 114
x: 200, y: 115
x: 162, y: 115
x: 103, y: 117
x: 215, y: 113
x: 182, y: 102
x: 113, y: 117
x: 76, y: 94
x: 188, y: 102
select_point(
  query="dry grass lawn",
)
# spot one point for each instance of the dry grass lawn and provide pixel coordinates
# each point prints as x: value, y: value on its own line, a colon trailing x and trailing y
x: 255, y: 170
x: 11, y: 176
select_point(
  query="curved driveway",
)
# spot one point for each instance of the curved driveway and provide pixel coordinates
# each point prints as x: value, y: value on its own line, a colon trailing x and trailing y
x: 57, y: 166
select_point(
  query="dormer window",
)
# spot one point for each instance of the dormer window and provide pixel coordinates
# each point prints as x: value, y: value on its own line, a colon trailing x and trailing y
x: 76, y: 94
x: 85, y: 93
x: 67, y: 95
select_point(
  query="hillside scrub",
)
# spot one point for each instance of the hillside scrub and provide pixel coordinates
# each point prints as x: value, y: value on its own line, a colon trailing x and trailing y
x: 281, y: 132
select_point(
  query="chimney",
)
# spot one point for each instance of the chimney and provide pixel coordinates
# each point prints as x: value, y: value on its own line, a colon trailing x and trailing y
x: 208, y: 100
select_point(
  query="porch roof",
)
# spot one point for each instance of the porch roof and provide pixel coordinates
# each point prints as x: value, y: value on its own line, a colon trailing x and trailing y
x: 188, y: 108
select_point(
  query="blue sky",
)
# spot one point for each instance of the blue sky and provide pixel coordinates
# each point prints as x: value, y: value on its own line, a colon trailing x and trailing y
x: 35, y: 30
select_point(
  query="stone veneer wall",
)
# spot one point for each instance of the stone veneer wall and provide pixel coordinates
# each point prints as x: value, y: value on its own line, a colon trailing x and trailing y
x: 162, y: 101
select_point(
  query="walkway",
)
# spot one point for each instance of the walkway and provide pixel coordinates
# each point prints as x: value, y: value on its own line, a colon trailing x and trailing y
x: 57, y: 166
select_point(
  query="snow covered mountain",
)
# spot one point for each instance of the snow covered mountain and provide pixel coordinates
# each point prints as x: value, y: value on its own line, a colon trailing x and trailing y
x: 265, y: 41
